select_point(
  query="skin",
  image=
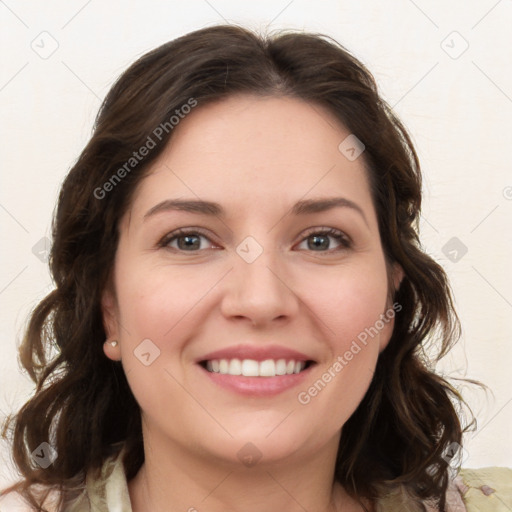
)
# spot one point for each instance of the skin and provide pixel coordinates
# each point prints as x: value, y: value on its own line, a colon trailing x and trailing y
x: 256, y: 157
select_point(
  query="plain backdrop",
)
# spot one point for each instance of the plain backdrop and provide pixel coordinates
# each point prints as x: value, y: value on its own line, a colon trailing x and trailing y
x: 443, y: 66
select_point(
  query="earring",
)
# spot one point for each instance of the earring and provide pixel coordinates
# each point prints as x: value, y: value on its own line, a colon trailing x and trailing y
x: 113, y: 343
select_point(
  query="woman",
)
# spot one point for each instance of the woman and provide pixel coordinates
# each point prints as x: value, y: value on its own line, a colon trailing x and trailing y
x: 241, y: 300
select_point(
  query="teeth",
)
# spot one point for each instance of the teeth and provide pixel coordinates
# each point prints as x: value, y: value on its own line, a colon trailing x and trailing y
x: 281, y: 367
x: 223, y: 366
x: 267, y: 368
x: 252, y: 368
x: 235, y: 367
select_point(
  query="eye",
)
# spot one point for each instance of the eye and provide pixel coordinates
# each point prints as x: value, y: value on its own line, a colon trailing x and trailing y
x: 319, y: 240
x: 186, y: 241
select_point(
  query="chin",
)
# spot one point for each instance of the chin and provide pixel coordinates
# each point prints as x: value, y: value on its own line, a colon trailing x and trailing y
x: 254, y: 446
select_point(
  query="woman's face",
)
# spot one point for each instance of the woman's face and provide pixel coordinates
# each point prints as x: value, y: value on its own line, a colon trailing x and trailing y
x: 278, y: 266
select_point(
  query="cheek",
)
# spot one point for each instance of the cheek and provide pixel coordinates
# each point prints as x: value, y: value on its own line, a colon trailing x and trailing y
x: 356, y: 323
x: 349, y: 302
x: 157, y: 309
x: 155, y: 302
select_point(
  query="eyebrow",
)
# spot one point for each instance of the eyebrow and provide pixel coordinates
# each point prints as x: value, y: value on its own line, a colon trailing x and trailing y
x: 303, y: 207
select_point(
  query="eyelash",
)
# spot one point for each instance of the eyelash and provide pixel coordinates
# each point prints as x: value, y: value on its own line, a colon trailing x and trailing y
x: 344, y: 241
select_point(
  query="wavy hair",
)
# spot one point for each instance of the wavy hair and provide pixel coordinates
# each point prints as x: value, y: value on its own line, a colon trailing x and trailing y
x: 82, y: 404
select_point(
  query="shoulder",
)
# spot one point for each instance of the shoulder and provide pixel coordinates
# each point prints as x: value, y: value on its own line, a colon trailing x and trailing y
x: 14, y: 495
x: 486, y: 489
x: 472, y: 490
x: 106, y: 492
x: 14, y: 502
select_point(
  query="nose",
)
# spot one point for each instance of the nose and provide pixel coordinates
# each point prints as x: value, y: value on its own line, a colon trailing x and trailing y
x: 259, y: 292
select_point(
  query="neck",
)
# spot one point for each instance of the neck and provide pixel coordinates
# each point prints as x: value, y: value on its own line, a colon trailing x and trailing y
x: 176, y: 479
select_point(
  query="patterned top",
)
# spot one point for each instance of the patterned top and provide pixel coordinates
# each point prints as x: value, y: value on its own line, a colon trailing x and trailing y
x: 473, y: 490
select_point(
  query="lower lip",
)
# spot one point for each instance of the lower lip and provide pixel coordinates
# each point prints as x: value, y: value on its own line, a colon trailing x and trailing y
x: 258, y: 386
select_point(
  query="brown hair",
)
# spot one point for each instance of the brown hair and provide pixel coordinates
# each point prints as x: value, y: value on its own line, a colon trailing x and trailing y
x: 83, y: 405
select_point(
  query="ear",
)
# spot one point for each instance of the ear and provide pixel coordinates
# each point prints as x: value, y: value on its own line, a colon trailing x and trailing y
x: 396, y: 276
x: 109, y: 311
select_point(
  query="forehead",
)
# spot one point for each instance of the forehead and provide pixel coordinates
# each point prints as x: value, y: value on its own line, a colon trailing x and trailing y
x: 248, y: 151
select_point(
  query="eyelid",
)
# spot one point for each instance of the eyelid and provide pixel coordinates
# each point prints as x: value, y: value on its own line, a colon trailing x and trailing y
x: 345, y: 240
x: 326, y: 230
x: 166, y: 239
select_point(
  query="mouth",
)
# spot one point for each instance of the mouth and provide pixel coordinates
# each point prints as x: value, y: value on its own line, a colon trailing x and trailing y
x: 252, y: 368
x: 256, y: 370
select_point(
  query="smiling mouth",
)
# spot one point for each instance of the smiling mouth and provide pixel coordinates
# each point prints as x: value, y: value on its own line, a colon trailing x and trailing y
x: 253, y: 368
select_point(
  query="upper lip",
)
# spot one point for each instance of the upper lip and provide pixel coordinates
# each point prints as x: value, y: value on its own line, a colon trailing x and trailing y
x: 256, y: 352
